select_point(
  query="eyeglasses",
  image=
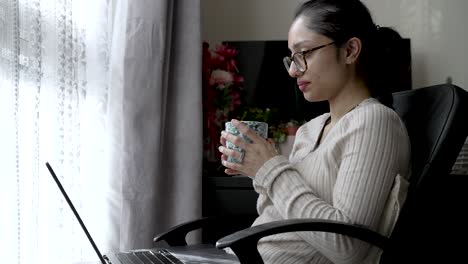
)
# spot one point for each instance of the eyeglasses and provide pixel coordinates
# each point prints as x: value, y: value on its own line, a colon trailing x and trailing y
x: 299, y: 58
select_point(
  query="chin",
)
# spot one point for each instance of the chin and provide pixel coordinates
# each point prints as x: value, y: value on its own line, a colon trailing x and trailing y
x: 314, y: 98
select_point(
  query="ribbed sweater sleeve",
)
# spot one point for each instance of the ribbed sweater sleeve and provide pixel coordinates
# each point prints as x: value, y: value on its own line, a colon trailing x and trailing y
x: 360, y: 158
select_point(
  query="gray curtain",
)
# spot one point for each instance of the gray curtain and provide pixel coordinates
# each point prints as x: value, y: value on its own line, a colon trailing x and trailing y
x: 155, y: 109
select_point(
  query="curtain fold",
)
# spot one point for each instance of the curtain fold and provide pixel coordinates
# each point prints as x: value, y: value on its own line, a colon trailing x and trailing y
x: 156, y: 119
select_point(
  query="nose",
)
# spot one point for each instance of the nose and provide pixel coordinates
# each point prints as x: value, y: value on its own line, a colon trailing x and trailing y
x: 294, y: 71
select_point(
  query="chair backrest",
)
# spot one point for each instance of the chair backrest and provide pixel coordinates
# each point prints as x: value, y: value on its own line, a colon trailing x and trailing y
x: 435, y: 119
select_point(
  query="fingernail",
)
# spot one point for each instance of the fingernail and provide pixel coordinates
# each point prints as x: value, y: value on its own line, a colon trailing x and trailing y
x: 220, y: 149
x: 223, y: 133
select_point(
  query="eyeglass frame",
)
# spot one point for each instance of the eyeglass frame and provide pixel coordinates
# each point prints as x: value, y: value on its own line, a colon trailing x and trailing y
x: 303, y: 53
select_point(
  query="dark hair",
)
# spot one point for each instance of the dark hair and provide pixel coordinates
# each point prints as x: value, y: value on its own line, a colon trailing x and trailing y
x: 380, y: 58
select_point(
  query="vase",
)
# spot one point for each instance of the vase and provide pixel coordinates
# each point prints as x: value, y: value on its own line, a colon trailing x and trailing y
x: 286, y: 147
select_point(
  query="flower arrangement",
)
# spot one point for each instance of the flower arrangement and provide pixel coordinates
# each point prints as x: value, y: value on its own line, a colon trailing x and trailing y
x: 222, y: 93
x: 257, y: 114
x: 277, y: 130
x: 223, y: 99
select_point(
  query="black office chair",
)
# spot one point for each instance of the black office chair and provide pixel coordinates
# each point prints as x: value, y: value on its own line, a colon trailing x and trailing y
x: 434, y: 117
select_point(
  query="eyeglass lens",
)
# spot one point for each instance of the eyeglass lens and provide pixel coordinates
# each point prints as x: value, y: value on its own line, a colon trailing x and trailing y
x: 298, y: 60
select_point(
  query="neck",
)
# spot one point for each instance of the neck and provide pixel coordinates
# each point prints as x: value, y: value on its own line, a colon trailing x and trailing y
x: 352, y: 95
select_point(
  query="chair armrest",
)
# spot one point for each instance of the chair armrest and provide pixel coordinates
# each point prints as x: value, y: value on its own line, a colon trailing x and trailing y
x: 176, y: 235
x: 244, y: 242
x: 219, y: 226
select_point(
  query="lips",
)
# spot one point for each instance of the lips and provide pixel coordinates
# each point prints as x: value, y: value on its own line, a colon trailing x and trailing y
x: 302, y: 85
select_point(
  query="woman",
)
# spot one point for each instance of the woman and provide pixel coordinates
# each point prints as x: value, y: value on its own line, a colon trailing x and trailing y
x: 343, y: 163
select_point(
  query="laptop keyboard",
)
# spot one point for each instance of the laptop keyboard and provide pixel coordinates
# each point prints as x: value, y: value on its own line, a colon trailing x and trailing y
x: 160, y: 256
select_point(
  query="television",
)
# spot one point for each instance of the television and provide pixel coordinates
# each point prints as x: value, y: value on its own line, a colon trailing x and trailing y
x: 267, y: 84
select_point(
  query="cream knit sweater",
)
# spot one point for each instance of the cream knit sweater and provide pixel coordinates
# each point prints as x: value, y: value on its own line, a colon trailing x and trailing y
x: 348, y: 177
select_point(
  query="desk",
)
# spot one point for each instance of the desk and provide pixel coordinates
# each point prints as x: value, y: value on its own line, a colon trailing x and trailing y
x: 229, y: 196
x: 233, y: 199
x: 235, y: 195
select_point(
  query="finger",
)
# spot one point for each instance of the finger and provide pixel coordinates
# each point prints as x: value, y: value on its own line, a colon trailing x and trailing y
x: 223, y: 157
x: 222, y: 140
x: 273, y: 145
x: 229, y: 152
x: 238, y: 141
x: 231, y: 172
x: 271, y: 141
x: 246, y: 131
x: 231, y: 165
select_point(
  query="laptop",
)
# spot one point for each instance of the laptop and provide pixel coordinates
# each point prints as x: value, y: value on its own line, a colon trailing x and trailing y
x: 195, y: 254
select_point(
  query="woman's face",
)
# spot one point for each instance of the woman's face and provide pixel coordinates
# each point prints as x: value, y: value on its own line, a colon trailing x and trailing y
x: 326, y: 73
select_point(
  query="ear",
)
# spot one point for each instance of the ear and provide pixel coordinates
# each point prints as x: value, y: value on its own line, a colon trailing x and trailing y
x: 352, y: 50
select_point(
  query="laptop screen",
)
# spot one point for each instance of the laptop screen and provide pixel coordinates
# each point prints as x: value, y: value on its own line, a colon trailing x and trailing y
x: 103, y: 258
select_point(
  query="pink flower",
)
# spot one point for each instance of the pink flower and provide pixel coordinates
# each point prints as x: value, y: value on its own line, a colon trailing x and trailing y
x: 238, y: 79
x: 221, y: 78
x: 223, y: 57
x: 235, y: 101
x: 226, y: 51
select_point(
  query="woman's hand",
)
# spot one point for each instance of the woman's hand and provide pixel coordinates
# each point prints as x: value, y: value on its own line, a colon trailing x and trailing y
x: 256, y: 153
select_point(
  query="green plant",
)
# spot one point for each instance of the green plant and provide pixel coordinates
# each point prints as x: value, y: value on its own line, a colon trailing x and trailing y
x: 278, y: 131
x: 278, y: 134
x: 266, y: 115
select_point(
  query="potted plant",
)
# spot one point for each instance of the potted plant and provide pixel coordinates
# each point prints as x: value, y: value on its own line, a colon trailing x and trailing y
x: 292, y: 126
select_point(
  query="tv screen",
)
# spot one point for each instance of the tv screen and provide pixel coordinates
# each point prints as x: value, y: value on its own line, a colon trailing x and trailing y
x: 268, y: 85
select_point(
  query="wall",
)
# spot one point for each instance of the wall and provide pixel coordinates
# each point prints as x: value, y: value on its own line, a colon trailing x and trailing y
x: 437, y: 29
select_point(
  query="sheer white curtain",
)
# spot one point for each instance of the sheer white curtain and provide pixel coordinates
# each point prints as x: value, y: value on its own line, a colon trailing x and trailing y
x: 115, y: 107
x: 54, y: 64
